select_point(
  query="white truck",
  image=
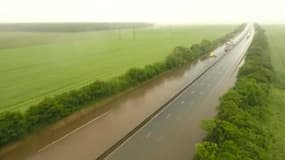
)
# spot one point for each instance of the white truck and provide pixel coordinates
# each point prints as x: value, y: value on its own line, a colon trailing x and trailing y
x: 229, y: 45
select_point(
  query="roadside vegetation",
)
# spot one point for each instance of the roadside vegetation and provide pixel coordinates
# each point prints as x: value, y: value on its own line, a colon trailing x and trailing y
x: 15, y: 125
x: 35, y: 65
x: 276, y: 39
x: 264, y: 134
x: 238, y: 132
x: 277, y: 124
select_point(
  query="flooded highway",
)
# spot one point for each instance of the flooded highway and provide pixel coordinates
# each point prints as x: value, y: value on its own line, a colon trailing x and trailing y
x: 173, y: 133
x: 91, y: 135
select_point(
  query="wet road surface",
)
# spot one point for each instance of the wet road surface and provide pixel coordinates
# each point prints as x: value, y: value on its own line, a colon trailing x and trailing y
x: 170, y: 135
x: 174, y: 132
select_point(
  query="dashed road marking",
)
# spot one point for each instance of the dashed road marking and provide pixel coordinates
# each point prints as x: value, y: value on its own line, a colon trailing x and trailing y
x: 72, y: 132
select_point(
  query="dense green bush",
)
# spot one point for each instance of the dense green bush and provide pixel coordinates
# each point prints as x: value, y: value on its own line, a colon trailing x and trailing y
x: 236, y: 133
x: 15, y: 125
x: 12, y: 126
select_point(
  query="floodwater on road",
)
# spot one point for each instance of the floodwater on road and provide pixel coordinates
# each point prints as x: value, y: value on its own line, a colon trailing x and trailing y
x: 122, y: 114
x: 174, y: 132
x: 94, y: 132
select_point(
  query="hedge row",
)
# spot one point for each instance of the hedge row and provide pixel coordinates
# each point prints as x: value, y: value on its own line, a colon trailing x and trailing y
x: 236, y: 133
x: 14, y: 125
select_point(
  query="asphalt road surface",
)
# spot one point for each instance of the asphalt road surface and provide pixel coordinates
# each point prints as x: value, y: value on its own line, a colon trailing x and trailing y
x: 174, y: 132
x: 171, y: 134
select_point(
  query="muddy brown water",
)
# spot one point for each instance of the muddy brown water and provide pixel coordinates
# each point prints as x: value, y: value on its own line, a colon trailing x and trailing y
x: 136, y: 104
x: 88, y: 133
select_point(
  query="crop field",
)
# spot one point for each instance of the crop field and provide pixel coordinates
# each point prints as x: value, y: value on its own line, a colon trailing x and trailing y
x: 276, y: 37
x: 34, y: 65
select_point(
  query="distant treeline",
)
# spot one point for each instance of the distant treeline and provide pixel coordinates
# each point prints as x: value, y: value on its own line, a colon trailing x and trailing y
x: 15, y: 125
x: 237, y: 132
x: 67, y: 27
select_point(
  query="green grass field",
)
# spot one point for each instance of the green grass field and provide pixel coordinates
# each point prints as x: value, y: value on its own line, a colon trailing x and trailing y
x: 34, y: 65
x: 276, y: 37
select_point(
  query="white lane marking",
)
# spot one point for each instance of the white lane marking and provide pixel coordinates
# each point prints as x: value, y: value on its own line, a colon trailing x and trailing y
x: 182, y: 102
x: 168, y: 116
x: 72, y: 132
x: 148, y: 135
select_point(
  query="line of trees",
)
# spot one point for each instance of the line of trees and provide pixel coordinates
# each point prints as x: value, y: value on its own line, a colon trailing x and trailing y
x: 68, y: 27
x: 15, y: 125
x: 237, y: 133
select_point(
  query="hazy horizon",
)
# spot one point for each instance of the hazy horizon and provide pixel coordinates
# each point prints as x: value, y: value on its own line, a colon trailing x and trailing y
x: 153, y: 11
x: 155, y: 23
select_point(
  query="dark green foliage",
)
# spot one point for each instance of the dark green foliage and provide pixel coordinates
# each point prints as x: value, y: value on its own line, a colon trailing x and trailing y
x: 11, y: 127
x: 181, y: 55
x: 206, y: 150
x: 154, y: 69
x: 237, y: 132
x: 60, y: 106
x: 135, y: 76
x: 44, y: 113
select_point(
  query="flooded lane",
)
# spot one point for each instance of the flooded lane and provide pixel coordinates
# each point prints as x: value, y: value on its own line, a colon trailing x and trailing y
x: 88, y: 137
x: 122, y: 115
x: 175, y: 131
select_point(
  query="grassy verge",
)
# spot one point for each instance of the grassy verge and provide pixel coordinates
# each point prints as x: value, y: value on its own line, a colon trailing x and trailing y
x: 277, y: 124
x: 276, y: 37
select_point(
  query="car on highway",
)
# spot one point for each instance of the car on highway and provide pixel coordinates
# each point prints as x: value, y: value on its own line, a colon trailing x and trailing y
x: 248, y: 36
x: 228, y: 46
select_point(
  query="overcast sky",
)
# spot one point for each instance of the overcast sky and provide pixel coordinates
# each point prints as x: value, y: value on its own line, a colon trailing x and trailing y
x: 159, y: 11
